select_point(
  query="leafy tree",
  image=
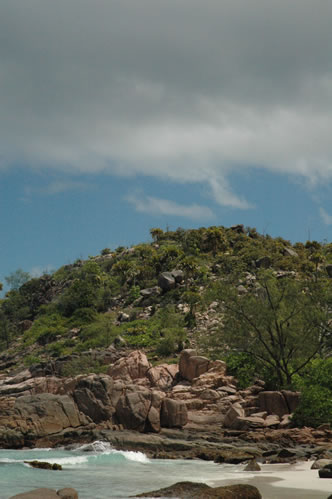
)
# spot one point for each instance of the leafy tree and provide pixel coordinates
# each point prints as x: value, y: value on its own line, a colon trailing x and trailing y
x: 16, y: 279
x: 85, y: 290
x: 105, y: 251
x: 283, y: 324
x: 156, y: 234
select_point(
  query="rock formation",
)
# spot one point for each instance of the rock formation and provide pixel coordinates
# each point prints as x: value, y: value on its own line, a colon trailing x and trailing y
x: 134, y: 395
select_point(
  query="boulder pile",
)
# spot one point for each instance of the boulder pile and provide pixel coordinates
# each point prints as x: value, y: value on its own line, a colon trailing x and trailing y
x: 135, y: 395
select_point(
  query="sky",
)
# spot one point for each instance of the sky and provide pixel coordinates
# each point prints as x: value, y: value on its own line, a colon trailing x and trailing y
x: 117, y: 116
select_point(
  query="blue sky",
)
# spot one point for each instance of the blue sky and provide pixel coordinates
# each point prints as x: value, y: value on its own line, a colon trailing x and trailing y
x: 121, y: 116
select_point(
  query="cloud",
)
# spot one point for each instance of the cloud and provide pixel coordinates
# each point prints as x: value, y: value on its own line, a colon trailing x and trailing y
x: 157, y: 206
x: 186, y: 90
x: 327, y: 219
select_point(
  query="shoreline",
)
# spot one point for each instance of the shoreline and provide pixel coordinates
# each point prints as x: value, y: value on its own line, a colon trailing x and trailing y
x: 274, y: 481
x: 291, y: 481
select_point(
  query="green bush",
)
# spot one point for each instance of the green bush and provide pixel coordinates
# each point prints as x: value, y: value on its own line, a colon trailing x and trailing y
x: 172, y: 341
x: 31, y: 360
x: 45, y: 329
x: 242, y: 366
x: 134, y: 293
x: 99, y: 333
x: 83, y: 316
x: 315, y: 384
x: 315, y: 407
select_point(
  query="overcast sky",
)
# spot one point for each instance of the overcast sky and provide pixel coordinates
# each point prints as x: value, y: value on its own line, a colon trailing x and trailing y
x: 187, y: 109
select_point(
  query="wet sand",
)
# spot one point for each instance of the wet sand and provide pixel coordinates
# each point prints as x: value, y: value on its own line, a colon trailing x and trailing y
x: 286, y: 481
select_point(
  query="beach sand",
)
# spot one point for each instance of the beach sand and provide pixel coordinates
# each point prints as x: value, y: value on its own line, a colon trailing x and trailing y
x: 286, y: 481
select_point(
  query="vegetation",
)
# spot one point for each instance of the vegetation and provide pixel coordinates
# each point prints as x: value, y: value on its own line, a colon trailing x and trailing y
x: 271, y: 300
x: 281, y: 323
x: 315, y: 385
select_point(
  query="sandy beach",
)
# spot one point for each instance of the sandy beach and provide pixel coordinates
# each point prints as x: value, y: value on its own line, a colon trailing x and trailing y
x: 286, y: 481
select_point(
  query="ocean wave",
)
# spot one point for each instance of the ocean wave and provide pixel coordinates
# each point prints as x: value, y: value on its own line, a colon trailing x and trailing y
x: 97, y: 446
x: 96, y: 452
x: 104, y: 448
x: 133, y: 456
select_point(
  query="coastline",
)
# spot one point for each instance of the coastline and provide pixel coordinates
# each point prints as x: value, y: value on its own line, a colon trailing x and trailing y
x: 274, y: 481
x: 291, y: 481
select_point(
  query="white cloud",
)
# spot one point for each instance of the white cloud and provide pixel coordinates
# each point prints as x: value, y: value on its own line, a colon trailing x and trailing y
x: 327, y: 219
x: 179, y: 89
x: 157, y: 206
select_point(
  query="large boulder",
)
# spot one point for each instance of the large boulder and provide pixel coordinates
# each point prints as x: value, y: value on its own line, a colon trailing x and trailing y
x: 292, y: 399
x: 234, y: 412
x: 273, y: 403
x: 188, y: 490
x: 173, y: 414
x: 40, y: 415
x: 133, y: 408
x: 130, y: 368
x: 139, y: 409
x: 162, y: 376
x: 92, y: 396
x: 192, y: 365
x: 166, y: 281
x: 24, y: 384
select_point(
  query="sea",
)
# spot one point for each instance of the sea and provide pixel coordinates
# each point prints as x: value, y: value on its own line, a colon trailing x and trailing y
x: 97, y: 471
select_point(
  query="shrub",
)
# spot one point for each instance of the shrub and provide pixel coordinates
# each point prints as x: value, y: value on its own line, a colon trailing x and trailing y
x: 83, y: 316
x: 315, y: 407
x: 45, y: 329
x: 172, y: 341
x: 315, y: 384
x: 242, y: 366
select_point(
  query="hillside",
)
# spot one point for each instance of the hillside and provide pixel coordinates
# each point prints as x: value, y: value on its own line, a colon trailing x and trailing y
x: 260, y: 303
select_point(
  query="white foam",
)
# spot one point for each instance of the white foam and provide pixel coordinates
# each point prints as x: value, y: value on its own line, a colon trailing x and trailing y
x: 134, y: 456
x: 97, y: 446
x: 105, y: 448
x: 7, y: 460
x: 68, y: 460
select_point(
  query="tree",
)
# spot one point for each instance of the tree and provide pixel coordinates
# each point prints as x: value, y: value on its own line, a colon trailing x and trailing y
x: 16, y: 279
x: 84, y: 291
x: 282, y: 323
x: 156, y: 234
x: 5, y: 329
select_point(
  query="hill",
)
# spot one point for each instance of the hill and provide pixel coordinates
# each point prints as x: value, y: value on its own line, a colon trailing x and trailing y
x: 260, y: 303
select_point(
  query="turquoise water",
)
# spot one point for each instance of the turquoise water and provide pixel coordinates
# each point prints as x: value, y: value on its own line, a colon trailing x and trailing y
x: 97, y: 471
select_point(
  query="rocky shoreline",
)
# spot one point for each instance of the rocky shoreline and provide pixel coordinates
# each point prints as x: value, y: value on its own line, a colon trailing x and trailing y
x: 190, y: 410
